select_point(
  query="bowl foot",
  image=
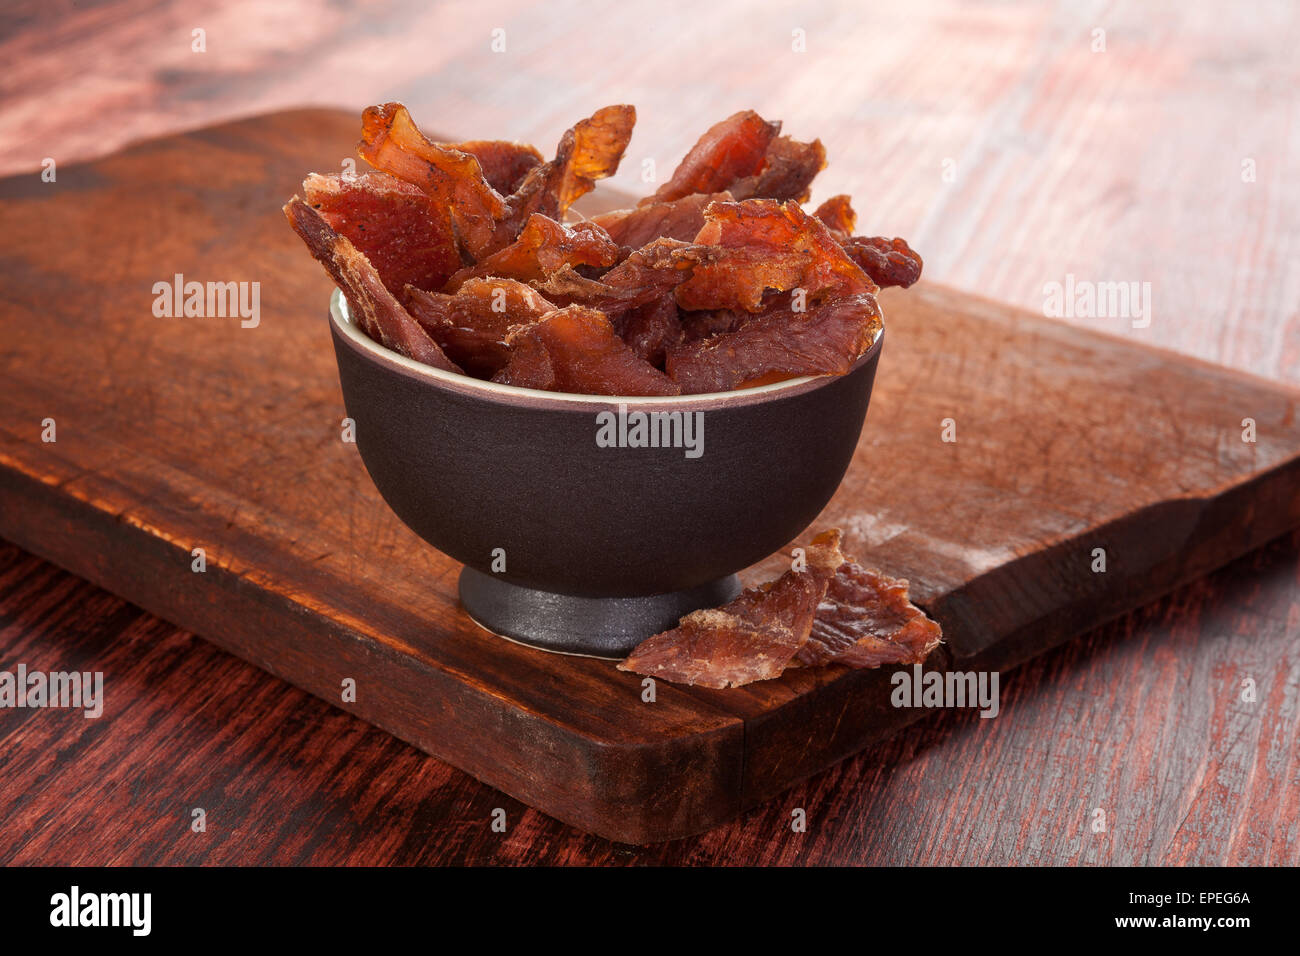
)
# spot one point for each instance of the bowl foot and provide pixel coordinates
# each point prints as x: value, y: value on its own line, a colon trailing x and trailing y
x: 595, y: 627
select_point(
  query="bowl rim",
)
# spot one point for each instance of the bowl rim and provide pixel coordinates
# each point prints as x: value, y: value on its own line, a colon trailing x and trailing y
x: 347, y: 331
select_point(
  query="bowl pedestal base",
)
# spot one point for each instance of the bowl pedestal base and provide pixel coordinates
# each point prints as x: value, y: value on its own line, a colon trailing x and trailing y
x: 606, y: 627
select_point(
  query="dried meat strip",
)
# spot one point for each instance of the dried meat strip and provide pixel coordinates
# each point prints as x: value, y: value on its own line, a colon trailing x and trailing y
x: 472, y: 325
x: 767, y: 245
x: 661, y: 265
x: 373, y: 308
x: 650, y: 273
x: 679, y: 219
x: 777, y: 345
x: 637, y: 295
x: 591, y: 150
x: 599, y: 143
x: 791, y: 168
x: 729, y: 151
x: 544, y: 247
x: 566, y: 286
x: 866, y: 620
x: 838, y: 215
x: 404, y: 234
x: 889, y: 262
x: 654, y: 271
x: 829, y: 611
x: 755, y: 637
x: 651, y: 330
x: 391, y: 141
x: 707, y: 323
x: 575, y: 349
x: 504, y: 163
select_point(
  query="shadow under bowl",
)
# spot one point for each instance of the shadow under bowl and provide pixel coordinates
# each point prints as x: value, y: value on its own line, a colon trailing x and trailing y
x: 586, y: 523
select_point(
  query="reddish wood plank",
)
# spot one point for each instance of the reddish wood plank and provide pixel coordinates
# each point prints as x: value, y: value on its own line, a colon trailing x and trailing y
x: 163, y: 449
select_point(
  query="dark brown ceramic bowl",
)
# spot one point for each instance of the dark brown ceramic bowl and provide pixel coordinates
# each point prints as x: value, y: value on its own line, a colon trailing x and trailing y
x: 577, y: 546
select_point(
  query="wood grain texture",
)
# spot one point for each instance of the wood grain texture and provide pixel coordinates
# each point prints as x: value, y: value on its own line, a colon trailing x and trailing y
x: 195, y: 432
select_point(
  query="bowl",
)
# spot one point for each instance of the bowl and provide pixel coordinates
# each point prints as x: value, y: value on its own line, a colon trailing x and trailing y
x: 586, y: 523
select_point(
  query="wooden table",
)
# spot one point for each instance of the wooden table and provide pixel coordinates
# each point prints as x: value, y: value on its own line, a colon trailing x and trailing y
x: 1006, y: 147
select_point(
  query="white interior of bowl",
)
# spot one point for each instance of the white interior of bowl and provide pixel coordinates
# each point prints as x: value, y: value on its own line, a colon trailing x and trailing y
x: 341, y: 315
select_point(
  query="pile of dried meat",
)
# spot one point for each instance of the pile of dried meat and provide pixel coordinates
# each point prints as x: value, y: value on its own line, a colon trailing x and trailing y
x: 826, y: 610
x: 467, y: 257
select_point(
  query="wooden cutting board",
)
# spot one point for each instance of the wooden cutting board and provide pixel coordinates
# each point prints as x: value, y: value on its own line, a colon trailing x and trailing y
x: 176, y: 434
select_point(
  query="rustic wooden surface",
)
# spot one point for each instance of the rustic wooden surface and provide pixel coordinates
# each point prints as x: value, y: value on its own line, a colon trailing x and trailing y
x: 195, y: 432
x: 1009, y: 88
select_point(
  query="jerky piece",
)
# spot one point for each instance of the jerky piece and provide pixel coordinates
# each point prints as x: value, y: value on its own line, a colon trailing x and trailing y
x: 504, y: 164
x: 888, y: 261
x: 406, y: 237
x: 866, y: 620
x: 650, y: 330
x: 391, y: 141
x: 755, y: 637
x: 598, y: 147
x: 472, y: 325
x: 373, y: 307
x: 656, y: 269
x: 543, y: 247
x: 710, y: 322
x: 576, y: 350
x: 713, y: 648
x: 768, y: 245
x: 791, y: 168
x: 637, y: 296
x: 825, y: 340
x: 678, y: 219
x: 591, y: 150
x: 645, y: 276
x: 703, y: 324
x: 566, y: 286
x: 662, y: 264
x: 838, y: 215
x: 731, y: 150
